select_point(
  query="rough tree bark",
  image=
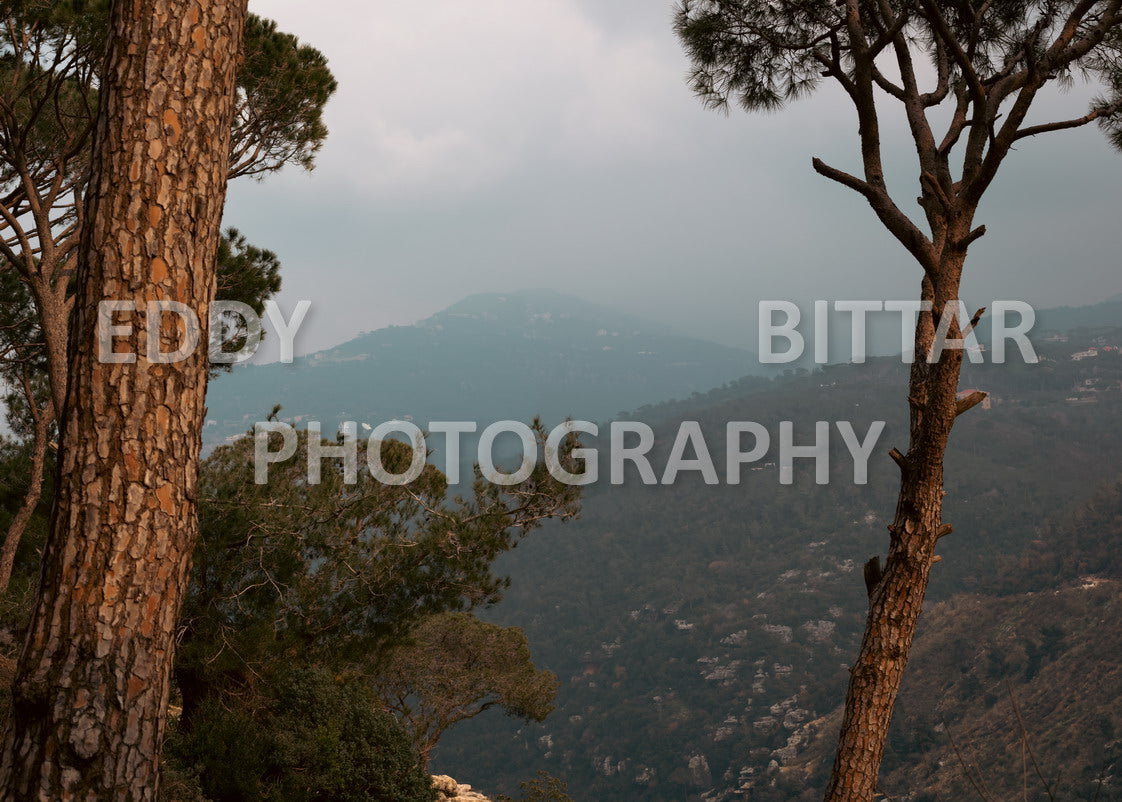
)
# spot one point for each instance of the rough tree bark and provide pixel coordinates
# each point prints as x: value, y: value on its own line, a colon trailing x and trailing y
x: 50, y: 106
x: 91, y: 689
x: 896, y: 599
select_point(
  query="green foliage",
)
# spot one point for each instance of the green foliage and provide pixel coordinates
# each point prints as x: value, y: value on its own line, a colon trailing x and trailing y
x: 15, y: 467
x: 762, y: 55
x: 55, y: 48
x: 292, y: 572
x: 544, y: 788
x: 744, y: 50
x: 326, y: 575
x: 49, y: 54
x: 453, y: 667
x: 283, y: 87
x: 246, y: 274
x: 308, y: 738
x: 23, y: 359
x: 334, y: 571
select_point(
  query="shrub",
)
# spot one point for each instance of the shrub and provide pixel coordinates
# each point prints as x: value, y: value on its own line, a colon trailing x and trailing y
x: 307, y: 737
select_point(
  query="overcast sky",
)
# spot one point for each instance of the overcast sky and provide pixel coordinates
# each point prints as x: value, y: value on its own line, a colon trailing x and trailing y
x: 495, y: 145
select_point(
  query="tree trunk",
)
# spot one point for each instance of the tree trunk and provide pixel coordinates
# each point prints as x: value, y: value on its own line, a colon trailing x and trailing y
x: 91, y: 690
x: 54, y: 311
x: 896, y: 600
x: 52, y: 307
x: 43, y: 420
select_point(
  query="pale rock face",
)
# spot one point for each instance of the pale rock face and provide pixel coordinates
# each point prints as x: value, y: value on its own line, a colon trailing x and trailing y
x: 448, y: 790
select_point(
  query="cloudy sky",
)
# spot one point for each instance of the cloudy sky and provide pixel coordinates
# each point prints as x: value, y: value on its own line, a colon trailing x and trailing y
x: 505, y: 144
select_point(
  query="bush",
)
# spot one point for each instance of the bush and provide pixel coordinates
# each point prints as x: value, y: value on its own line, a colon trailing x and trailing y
x: 545, y: 788
x: 306, y: 738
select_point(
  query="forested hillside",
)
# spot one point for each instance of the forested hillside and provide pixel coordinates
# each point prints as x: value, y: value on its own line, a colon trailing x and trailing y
x: 703, y: 633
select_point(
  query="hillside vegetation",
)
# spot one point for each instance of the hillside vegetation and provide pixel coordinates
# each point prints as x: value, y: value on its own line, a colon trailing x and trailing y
x: 703, y: 634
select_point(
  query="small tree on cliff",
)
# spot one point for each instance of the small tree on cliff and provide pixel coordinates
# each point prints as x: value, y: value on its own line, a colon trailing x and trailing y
x: 964, y: 75
x: 455, y: 667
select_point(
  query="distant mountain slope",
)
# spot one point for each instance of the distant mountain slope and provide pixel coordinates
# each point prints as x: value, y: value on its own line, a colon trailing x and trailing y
x: 1042, y: 646
x: 1047, y: 653
x: 486, y: 358
x: 1066, y: 318
x: 955, y: 729
x: 1106, y: 314
x: 1053, y: 655
x: 702, y: 634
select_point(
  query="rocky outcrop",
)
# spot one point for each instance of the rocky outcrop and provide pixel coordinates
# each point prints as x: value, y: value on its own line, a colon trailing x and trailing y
x: 448, y: 790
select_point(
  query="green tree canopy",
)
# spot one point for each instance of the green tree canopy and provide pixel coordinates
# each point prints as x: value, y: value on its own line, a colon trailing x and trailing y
x: 308, y: 737
x: 987, y: 62
x: 453, y: 667
x: 543, y: 788
x: 331, y: 573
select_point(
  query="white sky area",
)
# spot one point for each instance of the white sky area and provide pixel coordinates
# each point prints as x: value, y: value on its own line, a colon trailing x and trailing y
x: 498, y: 145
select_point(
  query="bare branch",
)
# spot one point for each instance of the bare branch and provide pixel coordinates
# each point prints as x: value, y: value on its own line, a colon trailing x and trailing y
x: 970, y: 238
x: 1024, y: 740
x: 842, y: 177
x: 1095, y: 114
x: 969, y: 402
x: 898, y: 223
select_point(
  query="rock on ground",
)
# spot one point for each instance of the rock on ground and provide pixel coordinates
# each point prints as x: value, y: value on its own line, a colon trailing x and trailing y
x: 448, y: 789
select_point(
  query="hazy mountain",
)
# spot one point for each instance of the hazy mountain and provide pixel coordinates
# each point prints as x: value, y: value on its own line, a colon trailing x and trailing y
x: 883, y: 329
x: 1064, y: 318
x: 489, y: 357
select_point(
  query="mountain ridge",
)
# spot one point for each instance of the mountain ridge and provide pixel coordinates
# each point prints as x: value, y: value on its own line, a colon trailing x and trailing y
x: 490, y: 356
